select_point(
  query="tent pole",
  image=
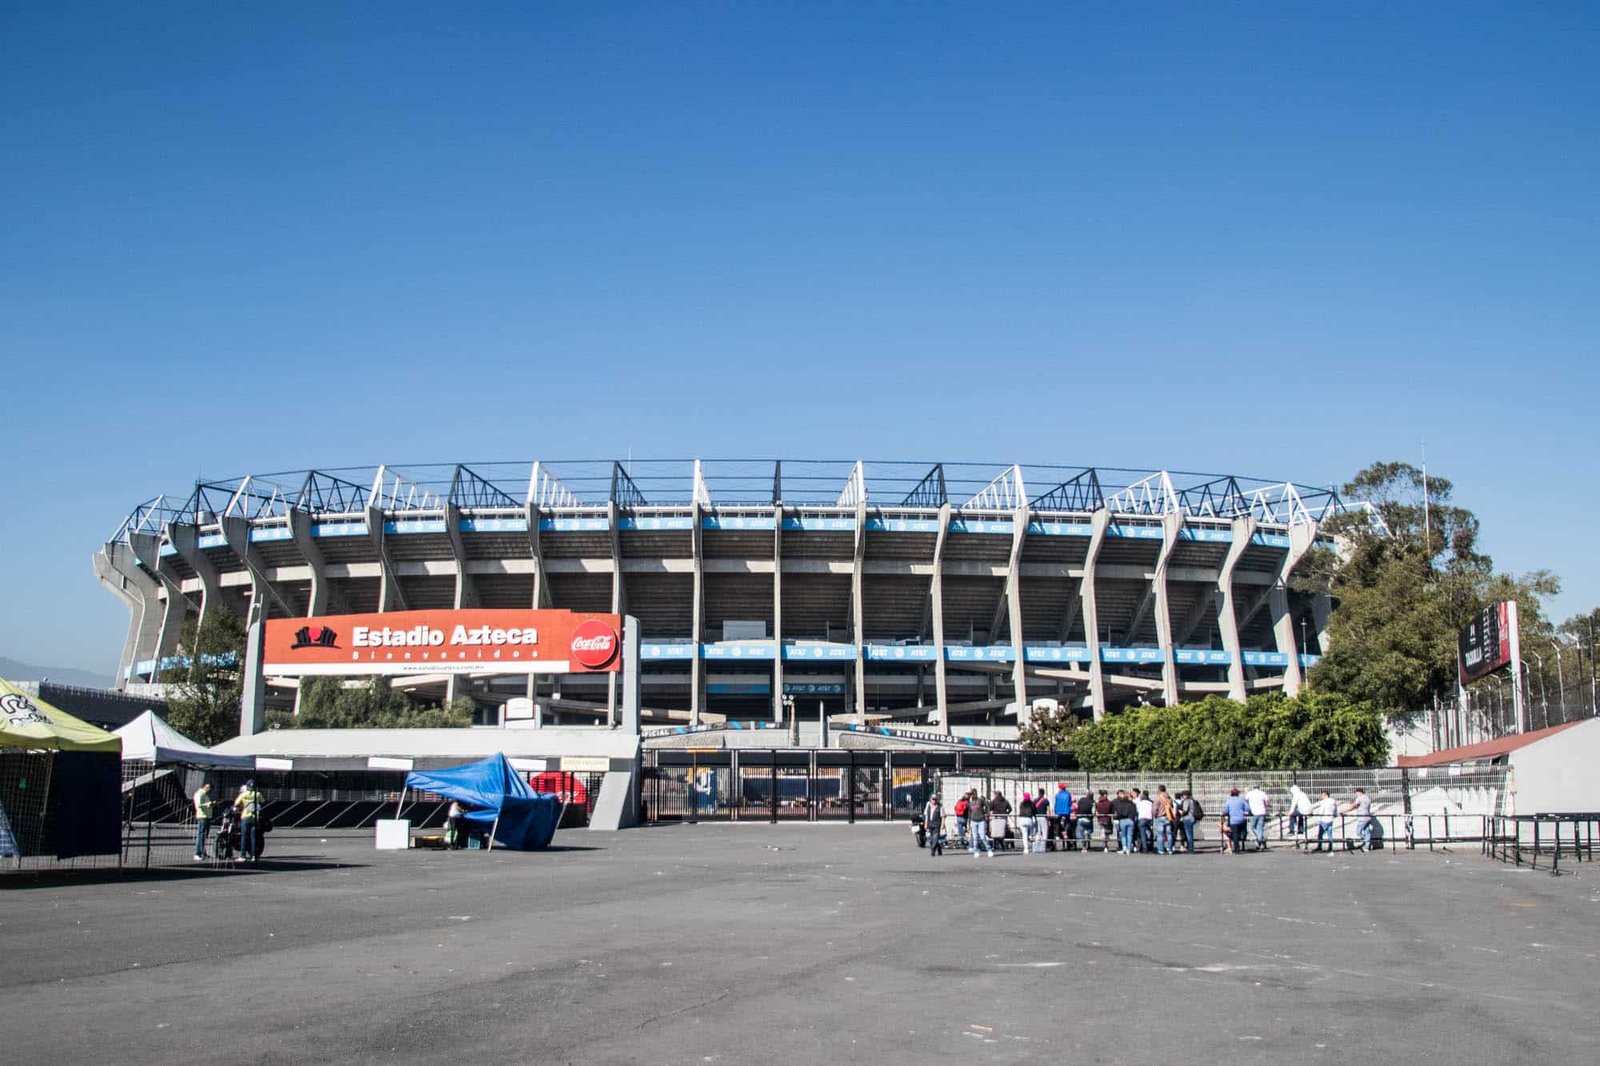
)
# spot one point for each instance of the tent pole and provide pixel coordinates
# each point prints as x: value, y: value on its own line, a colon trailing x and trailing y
x: 401, y: 802
x: 492, y: 830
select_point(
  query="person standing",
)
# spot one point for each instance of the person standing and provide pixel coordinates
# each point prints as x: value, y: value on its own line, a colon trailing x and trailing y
x: 1106, y: 810
x: 249, y: 803
x: 202, y: 819
x: 1361, y: 806
x: 1062, y: 808
x: 1299, y: 811
x: 963, y: 803
x: 1165, y: 816
x: 933, y: 824
x: 1126, y: 812
x: 1188, y: 815
x: 1041, y: 821
x: 1237, y: 812
x: 1256, y: 798
x: 1025, y: 822
x: 1145, y: 806
x: 452, y: 825
x: 1085, y: 819
x: 1326, y: 810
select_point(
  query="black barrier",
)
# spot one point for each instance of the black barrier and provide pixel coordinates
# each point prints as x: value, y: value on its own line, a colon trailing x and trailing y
x: 1532, y: 839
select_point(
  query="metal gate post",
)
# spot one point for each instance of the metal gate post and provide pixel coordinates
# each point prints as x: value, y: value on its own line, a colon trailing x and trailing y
x: 850, y: 776
x: 887, y: 788
x: 772, y: 800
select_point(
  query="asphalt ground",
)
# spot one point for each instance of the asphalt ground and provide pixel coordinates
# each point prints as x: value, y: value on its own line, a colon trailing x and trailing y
x: 819, y: 943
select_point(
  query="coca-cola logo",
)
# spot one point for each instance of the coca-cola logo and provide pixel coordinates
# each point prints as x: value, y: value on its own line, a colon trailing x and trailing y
x: 594, y: 644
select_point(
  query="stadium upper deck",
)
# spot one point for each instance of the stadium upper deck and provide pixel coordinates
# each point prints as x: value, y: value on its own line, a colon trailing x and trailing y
x: 929, y: 592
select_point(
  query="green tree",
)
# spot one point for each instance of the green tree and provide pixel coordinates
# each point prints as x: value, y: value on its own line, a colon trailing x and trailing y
x: 326, y: 703
x: 1050, y: 730
x: 204, y: 689
x: 1404, y: 590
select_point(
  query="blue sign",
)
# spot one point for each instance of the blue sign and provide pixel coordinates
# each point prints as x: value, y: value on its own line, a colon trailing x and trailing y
x: 1055, y: 655
x: 664, y: 522
x: 339, y: 529
x: 903, y: 525
x: 819, y: 525
x: 978, y: 525
x: 211, y: 540
x: 910, y: 653
x: 737, y: 651
x: 494, y: 525
x: 984, y: 653
x: 736, y: 522
x: 270, y: 533
x: 820, y: 652
x: 575, y: 525
x: 1135, y: 532
x: 663, y: 652
x: 1060, y: 529
x: 416, y: 525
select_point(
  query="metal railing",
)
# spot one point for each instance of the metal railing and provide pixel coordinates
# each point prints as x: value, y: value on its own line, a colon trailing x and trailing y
x: 1540, y: 840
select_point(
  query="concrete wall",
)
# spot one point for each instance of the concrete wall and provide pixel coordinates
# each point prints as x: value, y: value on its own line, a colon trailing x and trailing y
x: 1558, y: 774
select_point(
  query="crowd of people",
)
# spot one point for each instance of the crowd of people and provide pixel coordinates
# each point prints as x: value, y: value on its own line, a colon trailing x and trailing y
x: 1133, y: 820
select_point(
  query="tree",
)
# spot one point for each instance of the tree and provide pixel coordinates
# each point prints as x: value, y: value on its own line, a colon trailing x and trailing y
x: 325, y: 703
x: 1050, y: 730
x: 204, y: 689
x: 1405, y: 589
x: 1314, y: 730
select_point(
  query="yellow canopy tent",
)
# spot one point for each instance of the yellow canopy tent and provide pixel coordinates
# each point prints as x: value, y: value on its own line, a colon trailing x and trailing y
x: 32, y: 724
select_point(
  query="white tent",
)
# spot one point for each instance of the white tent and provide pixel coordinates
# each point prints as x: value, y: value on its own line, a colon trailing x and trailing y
x: 149, y: 738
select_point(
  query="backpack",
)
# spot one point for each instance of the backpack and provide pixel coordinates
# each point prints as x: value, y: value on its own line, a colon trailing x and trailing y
x: 1195, y: 809
x: 961, y: 808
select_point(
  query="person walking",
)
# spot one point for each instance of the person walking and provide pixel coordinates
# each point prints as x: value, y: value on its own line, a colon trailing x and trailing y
x: 1326, y: 811
x: 202, y: 819
x: 1256, y: 798
x: 1126, y: 812
x: 933, y: 824
x: 1361, y: 806
x: 1236, y: 810
x: 249, y: 803
x: 978, y: 823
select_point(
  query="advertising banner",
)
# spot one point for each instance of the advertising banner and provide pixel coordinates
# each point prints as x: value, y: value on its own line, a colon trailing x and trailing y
x: 1486, y: 643
x: 451, y: 642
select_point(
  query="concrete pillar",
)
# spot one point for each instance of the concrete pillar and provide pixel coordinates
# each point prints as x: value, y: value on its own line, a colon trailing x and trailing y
x: 186, y: 539
x: 236, y: 531
x: 941, y: 687
x: 777, y: 616
x: 1301, y: 539
x: 856, y: 613
x: 390, y: 595
x: 1090, y: 610
x: 541, y: 589
x: 697, y: 625
x: 117, y: 570
x: 1013, y: 594
x: 1227, y: 618
x: 619, y: 602
x: 1171, y: 527
x: 322, y: 591
x: 466, y: 590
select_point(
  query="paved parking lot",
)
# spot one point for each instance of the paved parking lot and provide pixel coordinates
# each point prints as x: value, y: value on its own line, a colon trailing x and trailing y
x: 741, y: 943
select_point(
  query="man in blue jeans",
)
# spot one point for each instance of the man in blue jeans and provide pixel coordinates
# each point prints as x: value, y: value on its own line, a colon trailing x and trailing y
x: 1237, y: 811
x: 1061, y: 807
x: 1126, y: 815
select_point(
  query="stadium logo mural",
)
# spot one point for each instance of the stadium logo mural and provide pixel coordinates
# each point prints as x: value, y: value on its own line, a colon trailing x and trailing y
x: 315, y: 637
x: 445, y: 641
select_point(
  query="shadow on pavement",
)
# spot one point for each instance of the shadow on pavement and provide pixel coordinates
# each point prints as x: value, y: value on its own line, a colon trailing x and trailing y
x: 25, y: 879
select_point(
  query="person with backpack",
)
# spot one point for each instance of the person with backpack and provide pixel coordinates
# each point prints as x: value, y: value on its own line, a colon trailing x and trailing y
x: 960, y: 811
x: 1190, y: 814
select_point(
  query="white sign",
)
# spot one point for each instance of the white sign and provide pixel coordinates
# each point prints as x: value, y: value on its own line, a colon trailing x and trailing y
x: 379, y: 762
x: 265, y: 763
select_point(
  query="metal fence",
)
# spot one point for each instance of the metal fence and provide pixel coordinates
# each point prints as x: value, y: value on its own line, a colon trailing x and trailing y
x: 1541, y: 840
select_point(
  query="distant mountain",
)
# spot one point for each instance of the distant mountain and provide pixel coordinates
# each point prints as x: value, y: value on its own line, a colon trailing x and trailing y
x: 12, y: 670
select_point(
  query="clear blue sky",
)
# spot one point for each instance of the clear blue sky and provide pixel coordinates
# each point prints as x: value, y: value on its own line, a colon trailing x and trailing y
x: 1269, y: 239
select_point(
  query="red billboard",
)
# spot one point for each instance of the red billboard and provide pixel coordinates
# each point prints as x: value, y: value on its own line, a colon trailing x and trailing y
x: 1485, y: 645
x: 454, y: 642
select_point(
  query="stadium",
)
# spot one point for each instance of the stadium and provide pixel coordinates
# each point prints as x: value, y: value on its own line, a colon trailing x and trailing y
x: 950, y: 596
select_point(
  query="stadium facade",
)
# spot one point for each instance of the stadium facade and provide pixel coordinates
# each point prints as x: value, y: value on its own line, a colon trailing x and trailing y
x: 947, y: 595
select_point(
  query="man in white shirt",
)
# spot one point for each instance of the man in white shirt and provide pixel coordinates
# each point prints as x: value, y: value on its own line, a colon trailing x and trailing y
x: 1326, y: 811
x: 1257, y: 799
x: 1147, y: 813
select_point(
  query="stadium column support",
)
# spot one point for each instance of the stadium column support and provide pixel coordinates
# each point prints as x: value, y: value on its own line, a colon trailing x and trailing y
x: 1171, y: 528
x: 619, y: 600
x: 541, y: 588
x: 1019, y: 666
x: 466, y: 592
x: 390, y: 597
x: 119, y: 571
x: 185, y: 539
x: 1089, y: 608
x: 323, y: 593
x: 147, y: 549
x: 936, y: 596
x: 697, y: 623
x: 1227, y: 617
x: 777, y: 615
x: 856, y: 613
x: 236, y: 531
x: 1301, y: 538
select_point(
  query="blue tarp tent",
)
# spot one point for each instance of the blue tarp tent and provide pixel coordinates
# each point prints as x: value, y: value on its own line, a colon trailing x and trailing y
x: 497, y: 800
